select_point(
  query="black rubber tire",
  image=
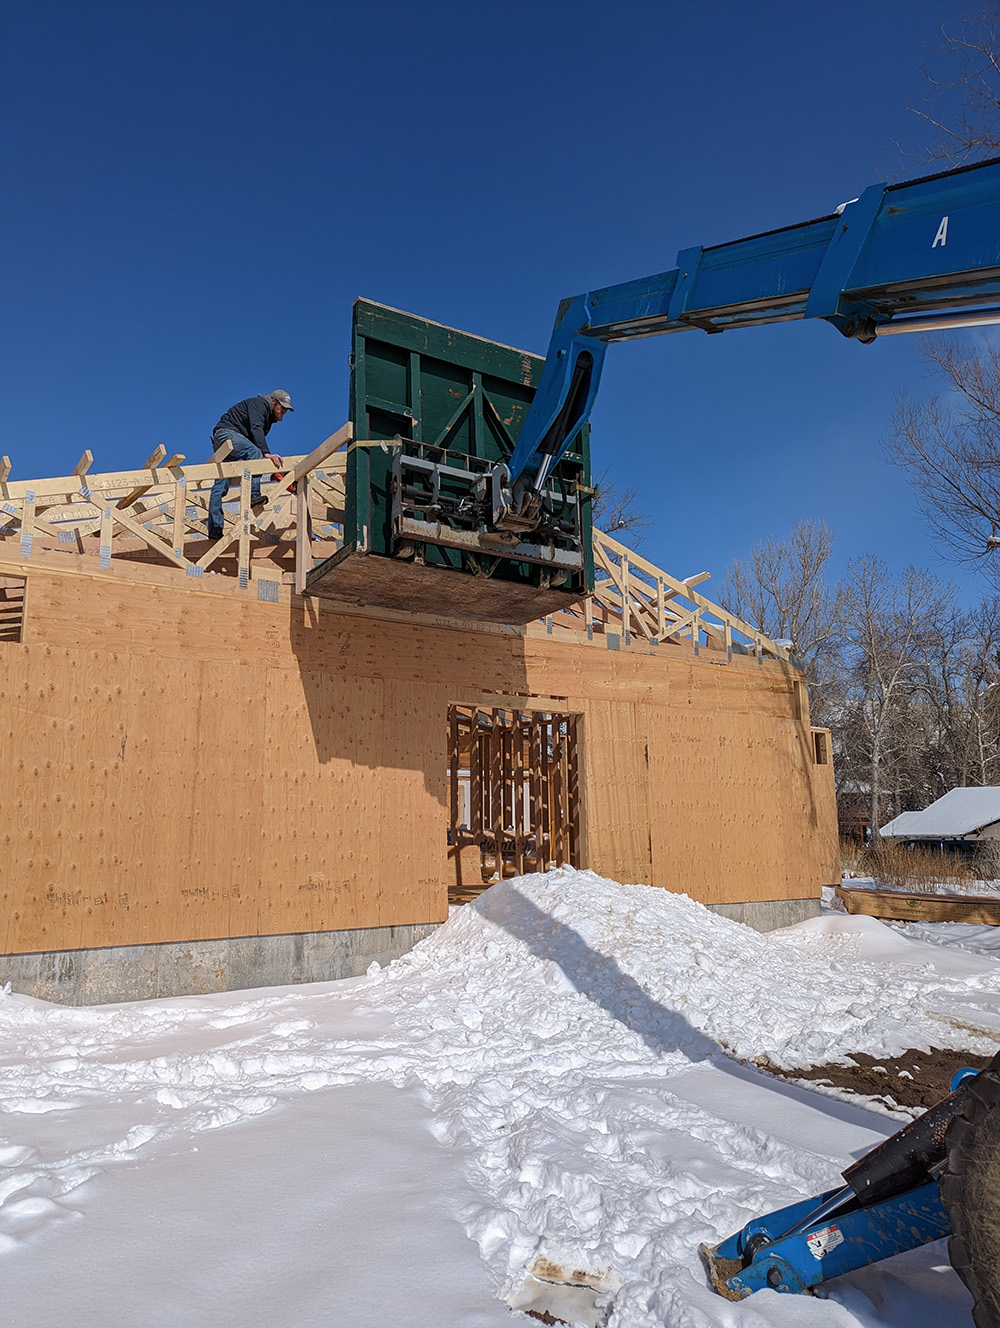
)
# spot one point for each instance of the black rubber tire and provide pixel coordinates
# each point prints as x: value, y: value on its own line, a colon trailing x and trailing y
x: 970, y: 1190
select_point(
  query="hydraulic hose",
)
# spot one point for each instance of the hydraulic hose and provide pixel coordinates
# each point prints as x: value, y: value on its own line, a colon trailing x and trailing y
x: 906, y: 1158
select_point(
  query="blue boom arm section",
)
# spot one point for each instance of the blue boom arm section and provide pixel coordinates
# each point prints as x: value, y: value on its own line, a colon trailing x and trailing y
x: 919, y: 255
x: 892, y: 1202
x: 812, y: 1252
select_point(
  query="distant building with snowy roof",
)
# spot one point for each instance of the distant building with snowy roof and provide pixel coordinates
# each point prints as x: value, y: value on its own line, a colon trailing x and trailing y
x: 965, y: 816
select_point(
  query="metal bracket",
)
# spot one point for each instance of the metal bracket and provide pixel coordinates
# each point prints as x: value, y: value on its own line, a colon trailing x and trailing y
x: 687, y: 274
x: 853, y: 227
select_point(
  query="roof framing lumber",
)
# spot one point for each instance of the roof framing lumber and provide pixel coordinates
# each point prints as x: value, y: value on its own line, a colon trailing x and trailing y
x: 633, y: 598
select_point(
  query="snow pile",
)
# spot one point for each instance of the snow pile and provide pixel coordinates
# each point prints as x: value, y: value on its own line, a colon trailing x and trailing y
x: 567, y: 1037
x: 682, y: 978
x: 968, y: 936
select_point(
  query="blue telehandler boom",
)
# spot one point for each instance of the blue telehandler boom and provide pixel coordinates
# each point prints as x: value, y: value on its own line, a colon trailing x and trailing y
x: 491, y: 485
x: 923, y: 255
x: 423, y: 512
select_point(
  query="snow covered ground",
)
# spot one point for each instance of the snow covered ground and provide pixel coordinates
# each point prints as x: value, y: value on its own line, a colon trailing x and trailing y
x: 545, y: 1077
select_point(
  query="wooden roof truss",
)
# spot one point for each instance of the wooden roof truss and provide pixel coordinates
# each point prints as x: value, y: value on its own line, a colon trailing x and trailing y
x: 163, y: 505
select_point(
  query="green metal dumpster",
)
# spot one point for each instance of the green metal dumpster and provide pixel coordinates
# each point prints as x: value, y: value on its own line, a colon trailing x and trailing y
x: 434, y: 409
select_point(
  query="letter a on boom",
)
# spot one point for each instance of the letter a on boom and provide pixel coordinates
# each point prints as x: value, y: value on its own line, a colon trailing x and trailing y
x: 942, y: 234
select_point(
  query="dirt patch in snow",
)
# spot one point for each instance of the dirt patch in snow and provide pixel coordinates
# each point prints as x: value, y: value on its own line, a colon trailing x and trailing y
x: 917, y: 1079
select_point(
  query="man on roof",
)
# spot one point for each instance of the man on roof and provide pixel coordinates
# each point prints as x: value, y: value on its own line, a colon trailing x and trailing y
x: 246, y: 426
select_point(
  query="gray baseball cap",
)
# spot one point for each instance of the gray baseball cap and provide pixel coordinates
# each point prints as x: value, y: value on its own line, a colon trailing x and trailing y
x: 282, y: 398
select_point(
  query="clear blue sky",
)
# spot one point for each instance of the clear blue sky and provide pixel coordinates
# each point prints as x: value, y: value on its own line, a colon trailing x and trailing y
x: 194, y: 193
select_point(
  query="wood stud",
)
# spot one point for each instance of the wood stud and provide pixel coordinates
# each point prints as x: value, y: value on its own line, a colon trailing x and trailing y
x: 105, y: 506
x: 649, y: 605
x: 633, y: 599
x: 11, y: 608
x: 521, y: 774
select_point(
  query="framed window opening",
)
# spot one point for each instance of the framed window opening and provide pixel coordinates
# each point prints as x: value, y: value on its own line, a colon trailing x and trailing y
x: 13, y: 591
x: 821, y: 746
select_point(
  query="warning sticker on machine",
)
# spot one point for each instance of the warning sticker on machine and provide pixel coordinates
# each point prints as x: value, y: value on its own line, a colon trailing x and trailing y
x: 823, y: 1241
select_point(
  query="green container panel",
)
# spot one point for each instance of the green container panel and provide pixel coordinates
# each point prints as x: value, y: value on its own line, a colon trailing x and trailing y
x: 448, y: 389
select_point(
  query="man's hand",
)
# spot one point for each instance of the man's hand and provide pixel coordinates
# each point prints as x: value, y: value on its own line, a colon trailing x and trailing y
x: 276, y: 459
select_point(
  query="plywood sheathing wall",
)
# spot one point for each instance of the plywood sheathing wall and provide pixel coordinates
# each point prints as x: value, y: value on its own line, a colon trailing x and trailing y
x: 179, y: 764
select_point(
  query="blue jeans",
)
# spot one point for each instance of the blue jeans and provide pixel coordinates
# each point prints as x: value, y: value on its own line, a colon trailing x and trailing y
x: 243, y: 450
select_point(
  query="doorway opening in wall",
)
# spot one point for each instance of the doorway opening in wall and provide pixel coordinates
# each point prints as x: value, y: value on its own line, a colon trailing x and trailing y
x: 514, y: 778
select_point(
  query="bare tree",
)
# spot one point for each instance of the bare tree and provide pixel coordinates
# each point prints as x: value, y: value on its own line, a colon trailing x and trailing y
x: 908, y: 683
x: 615, y: 510
x: 781, y: 588
x: 977, y: 666
x: 950, y: 448
x: 889, y: 628
x: 950, y: 451
x: 961, y: 108
x: 941, y: 712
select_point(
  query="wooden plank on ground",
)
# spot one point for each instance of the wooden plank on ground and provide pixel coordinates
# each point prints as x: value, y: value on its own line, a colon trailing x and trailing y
x: 912, y: 906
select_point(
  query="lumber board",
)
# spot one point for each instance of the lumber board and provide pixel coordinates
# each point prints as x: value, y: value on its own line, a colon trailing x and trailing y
x: 117, y: 483
x: 604, y: 545
x: 28, y: 520
x: 323, y: 455
x: 180, y: 522
x: 245, y: 518
x: 147, y: 536
x: 913, y: 906
x: 27, y: 524
x: 152, y: 461
x: 303, y: 548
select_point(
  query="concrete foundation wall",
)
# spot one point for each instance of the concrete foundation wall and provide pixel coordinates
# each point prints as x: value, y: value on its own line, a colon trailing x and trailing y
x: 769, y: 914
x: 191, y: 968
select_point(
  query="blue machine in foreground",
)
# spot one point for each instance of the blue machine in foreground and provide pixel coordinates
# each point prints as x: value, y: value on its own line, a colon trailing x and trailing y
x: 814, y: 1249
x: 923, y: 255
x: 892, y: 1202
